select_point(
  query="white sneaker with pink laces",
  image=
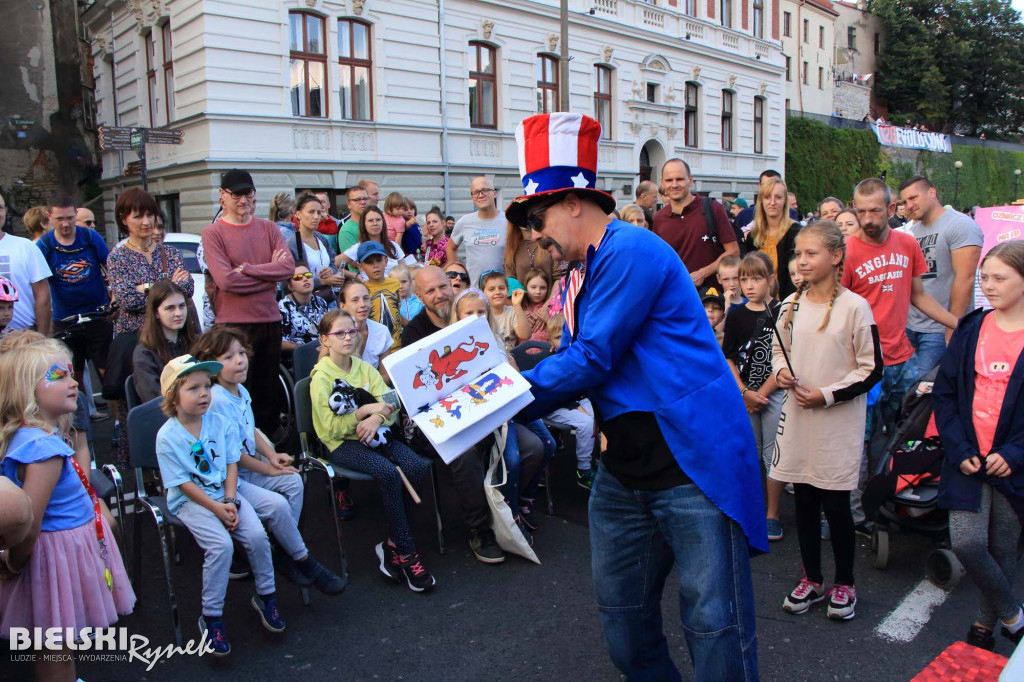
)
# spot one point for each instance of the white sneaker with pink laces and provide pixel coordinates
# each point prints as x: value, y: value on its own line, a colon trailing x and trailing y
x: 841, y: 601
x: 803, y: 595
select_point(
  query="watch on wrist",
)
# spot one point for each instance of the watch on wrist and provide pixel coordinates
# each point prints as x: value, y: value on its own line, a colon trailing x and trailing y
x: 235, y: 501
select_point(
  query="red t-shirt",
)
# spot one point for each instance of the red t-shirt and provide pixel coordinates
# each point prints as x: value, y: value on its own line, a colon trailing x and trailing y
x: 687, y: 234
x: 994, y: 361
x: 883, y: 275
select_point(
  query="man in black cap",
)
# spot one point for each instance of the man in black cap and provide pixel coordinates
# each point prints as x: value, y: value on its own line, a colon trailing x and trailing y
x: 247, y: 257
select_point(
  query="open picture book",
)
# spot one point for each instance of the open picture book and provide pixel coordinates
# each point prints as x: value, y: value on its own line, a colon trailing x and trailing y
x: 457, y: 385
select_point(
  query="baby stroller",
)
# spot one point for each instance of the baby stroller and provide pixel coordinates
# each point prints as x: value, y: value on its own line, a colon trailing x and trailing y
x: 903, y: 492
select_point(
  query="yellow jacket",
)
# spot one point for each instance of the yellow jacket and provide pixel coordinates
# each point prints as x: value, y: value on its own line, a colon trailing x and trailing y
x: 333, y: 428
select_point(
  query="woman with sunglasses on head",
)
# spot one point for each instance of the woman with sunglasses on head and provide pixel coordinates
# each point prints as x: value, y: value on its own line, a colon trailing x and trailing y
x: 458, y: 276
x: 301, y: 310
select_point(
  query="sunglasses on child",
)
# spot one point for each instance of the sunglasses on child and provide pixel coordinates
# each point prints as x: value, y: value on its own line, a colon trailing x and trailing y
x: 344, y: 333
x: 302, y: 276
x: 202, y: 460
x: 458, y: 275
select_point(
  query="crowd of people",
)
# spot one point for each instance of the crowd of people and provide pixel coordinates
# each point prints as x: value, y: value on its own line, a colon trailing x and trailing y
x: 825, y: 323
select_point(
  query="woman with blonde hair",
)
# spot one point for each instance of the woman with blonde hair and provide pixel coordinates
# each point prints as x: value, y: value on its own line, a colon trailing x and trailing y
x: 635, y: 215
x: 282, y: 212
x: 36, y: 222
x: 774, y: 232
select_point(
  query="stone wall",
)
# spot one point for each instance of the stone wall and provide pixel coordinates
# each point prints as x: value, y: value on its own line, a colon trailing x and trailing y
x: 853, y: 100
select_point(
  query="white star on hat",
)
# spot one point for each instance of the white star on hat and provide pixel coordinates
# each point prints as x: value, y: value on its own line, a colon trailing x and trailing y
x: 579, y: 180
x: 531, y: 186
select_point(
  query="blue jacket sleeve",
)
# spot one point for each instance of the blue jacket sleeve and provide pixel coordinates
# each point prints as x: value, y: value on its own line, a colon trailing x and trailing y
x: 615, y: 315
x: 946, y: 396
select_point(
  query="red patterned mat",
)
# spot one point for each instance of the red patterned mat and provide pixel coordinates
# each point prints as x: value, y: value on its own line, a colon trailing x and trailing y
x: 961, y: 662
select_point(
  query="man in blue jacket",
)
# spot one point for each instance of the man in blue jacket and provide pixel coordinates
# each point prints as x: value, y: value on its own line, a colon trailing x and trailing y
x: 680, y: 481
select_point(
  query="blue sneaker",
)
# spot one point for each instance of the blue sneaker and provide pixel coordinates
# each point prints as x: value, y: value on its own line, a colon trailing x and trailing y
x: 774, y: 530
x: 269, y: 613
x: 215, y: 635
x: 826, y: 530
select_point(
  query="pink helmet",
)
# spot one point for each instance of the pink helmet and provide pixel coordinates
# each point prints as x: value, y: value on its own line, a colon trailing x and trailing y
x: 8, y: 292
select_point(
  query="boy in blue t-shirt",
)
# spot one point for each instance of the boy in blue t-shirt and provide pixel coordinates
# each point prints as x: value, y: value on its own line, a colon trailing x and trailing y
x: 198, y: 455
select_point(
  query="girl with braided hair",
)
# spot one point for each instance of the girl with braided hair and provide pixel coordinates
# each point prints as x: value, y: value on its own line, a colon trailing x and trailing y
x: 826, y: 356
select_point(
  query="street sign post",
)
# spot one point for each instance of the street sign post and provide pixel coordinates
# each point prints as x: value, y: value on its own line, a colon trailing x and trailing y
x: 115, y: 138
x: 120, y: 138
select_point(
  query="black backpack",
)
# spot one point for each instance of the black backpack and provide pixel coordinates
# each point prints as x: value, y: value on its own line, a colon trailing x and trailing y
x: 707, y: 206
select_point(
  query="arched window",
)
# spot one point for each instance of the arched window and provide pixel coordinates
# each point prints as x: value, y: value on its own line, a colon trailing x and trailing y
x: 547, y: 84
x: 483, y: 86
x: 603, y: 99
x: 355, y: 70
x: 308, y: 53
x: 691, y: 115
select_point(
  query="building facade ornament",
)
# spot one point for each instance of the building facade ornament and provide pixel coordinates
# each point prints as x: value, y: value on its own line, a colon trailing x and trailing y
x: 486, y: 28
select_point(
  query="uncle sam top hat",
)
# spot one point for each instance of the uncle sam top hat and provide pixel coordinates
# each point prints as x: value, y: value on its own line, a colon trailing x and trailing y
x: 557, y: 155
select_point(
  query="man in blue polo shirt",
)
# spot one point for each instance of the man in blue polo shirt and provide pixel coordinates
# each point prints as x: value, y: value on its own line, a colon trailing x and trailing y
x: 678, y: 484
x: 77, y: 257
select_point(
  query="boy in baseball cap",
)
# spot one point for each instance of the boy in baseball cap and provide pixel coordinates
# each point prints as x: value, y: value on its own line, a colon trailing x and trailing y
x: 385, y: 300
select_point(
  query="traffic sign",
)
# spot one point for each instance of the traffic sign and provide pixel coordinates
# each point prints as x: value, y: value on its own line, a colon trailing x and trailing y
x: 115, y: 137
x: 164, y: 136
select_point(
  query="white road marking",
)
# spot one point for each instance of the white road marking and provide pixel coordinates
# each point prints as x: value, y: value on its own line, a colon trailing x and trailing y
x: 912, y: 614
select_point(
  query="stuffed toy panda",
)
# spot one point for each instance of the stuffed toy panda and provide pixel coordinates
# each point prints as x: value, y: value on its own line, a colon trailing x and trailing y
x: 345, y: 399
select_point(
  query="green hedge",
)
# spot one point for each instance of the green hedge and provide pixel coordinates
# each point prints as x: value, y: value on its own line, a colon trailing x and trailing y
x: 822, y: 161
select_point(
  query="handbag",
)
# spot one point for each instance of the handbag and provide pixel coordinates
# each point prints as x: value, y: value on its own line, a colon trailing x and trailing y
x: 507, y: 533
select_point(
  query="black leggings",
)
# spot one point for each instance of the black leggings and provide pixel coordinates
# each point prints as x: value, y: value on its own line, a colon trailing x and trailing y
x: 810, y: 501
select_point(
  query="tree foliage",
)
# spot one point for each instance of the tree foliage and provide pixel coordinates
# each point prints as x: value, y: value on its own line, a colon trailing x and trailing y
x: 954, y: 64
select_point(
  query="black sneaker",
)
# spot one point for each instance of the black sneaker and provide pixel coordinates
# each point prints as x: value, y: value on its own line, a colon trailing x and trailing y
x: 522, y: 529
x: 416, y: 575
x: 527, y: 515
x: 981, y: 638
x: 865, y: 529
x: 485, y: 546
x: 321, y: 577
x: 240, y: 569
x: 388, y: 561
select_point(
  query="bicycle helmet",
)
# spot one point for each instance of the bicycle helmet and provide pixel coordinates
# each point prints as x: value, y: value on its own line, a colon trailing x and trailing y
x: 8, y: 292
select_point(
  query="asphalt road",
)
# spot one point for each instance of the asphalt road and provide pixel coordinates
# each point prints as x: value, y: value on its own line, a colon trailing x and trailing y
x: 516, y: 621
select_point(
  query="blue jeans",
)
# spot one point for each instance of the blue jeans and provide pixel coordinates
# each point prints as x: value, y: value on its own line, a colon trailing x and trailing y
x: 636, y: 536
x: 896, y: 381
x: 538, y: 429
x: 929, y: 347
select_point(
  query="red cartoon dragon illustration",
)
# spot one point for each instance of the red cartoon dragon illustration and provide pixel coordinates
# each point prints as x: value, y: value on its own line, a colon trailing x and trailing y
x: 448, y: 367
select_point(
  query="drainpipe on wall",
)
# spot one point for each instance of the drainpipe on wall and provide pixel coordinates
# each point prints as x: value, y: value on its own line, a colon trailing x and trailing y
x: 444, y: 105
x: 800, y: 56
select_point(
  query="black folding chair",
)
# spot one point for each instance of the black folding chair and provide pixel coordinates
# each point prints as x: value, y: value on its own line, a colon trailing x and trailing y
x: 312, y: 450
x: 144, y: 421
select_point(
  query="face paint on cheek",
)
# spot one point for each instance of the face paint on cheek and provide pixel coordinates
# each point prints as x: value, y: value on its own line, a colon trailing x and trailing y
x: 58, y: 372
